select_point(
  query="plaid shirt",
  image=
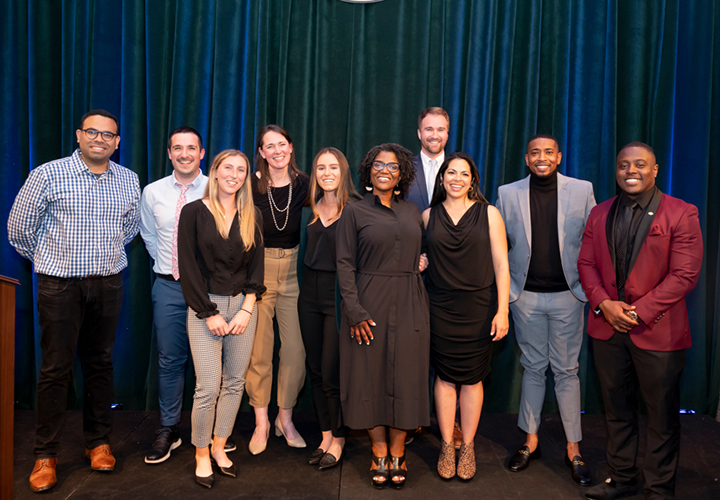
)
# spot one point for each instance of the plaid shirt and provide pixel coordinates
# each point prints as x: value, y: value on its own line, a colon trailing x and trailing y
x: 71, y: 223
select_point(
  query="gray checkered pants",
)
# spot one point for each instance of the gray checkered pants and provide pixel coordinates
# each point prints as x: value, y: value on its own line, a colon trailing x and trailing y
x: 220, y: 367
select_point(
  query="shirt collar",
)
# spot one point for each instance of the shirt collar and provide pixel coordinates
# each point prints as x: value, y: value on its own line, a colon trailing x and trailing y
x: 643, y: 200
x: 426, y: 159
x: 81, y: 166
x: 192, y: 183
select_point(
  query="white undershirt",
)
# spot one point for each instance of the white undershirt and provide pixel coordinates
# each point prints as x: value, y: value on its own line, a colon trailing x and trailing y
x: 431, y: 172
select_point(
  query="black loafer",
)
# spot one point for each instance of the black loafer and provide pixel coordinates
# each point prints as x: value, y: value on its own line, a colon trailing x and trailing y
x: 611, y: 489
x: 168, y: 438
x: 315, y: 456
x: 521, y: 459
x: 580, y: 472
x: 329, y: 461
x: 230, y: 445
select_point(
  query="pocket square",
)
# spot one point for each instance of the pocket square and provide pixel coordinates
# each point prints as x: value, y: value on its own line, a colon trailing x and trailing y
x: 656, y: 230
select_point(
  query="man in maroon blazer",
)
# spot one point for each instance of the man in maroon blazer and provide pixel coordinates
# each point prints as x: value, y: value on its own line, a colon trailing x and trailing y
x: 641, y: 255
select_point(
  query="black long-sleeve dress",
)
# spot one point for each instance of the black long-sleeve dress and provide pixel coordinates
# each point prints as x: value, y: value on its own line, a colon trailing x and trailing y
x: 378, y: 252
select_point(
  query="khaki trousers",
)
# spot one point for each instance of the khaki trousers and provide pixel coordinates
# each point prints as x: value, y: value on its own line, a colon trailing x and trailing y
x: 280, y: 299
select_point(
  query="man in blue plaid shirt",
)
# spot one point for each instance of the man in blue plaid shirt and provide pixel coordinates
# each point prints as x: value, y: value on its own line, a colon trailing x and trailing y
x: 72, y: 218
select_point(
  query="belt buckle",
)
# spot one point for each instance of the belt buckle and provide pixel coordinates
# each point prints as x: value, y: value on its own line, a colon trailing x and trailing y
x: 282, y: 252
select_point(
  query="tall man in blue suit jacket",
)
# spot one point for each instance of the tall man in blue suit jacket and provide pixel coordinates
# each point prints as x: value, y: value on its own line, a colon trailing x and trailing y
x: 433, y: 127
x: 545, y: 216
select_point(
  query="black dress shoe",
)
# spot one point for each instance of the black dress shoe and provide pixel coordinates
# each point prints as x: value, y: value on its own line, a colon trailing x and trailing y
x: 230, y: 445
x: 521, y: 459
x: 207, y: 482
x: 315, y: 456
x: 611, y: 489
x: 168, y: 438
x: 580, y: 472
x: 329, y: 461
x: 225, y: 471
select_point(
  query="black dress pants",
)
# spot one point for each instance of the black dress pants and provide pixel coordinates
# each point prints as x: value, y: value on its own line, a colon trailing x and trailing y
x: 318, y: 324
x: 76, y: 314
x: 658, y: 375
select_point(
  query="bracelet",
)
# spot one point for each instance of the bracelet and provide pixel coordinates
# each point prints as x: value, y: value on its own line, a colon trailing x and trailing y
x: 249, y: 312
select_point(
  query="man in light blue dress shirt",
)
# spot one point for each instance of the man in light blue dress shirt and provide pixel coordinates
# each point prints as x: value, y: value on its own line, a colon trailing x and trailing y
x: 72, y: 218
x: 160, y: 206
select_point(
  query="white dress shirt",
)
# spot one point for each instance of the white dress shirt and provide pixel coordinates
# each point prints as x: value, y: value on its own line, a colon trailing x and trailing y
x: 431, y: 171
x: 157, y: 216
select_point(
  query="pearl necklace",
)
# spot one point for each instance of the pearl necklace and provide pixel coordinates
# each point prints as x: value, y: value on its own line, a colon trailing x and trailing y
x: 286, y: 209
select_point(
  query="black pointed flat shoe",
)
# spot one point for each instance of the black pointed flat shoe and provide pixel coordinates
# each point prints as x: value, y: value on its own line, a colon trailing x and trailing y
x: 329, y: 461
x: 225, y: 471
x: 316, y: 456
x: 207, y: 482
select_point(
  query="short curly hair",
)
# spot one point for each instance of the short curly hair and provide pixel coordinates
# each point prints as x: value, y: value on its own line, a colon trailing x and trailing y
x: 405, y: 159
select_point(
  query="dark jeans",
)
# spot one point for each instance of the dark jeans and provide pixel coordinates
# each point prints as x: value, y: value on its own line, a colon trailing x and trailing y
x: 658, y: 375
x: 76, y: 314
x: 318, y: 324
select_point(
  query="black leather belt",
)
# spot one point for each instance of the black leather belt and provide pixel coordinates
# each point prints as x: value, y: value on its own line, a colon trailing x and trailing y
x: 167, y: 277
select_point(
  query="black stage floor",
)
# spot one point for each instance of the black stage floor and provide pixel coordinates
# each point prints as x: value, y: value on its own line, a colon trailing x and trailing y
x: 282, y: 472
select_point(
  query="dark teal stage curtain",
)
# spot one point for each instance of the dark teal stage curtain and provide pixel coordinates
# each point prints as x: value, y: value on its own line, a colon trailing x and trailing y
x: 595, y: 74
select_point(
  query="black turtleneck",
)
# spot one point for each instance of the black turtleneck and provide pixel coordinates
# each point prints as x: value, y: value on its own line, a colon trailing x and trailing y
x: 545, y: 274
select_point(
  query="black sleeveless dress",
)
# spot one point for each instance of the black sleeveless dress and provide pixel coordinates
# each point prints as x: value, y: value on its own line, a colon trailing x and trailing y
x: 463, y: 298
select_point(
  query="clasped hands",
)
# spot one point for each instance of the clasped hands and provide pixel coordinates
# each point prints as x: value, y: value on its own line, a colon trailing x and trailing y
x: 615, y: 312
x: 220, y: 328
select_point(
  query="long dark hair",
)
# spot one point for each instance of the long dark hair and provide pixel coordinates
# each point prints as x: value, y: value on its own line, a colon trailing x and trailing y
x: 404, y: 157
x: 474, y: 194
x: 261, y: 164
x: 346, y: 191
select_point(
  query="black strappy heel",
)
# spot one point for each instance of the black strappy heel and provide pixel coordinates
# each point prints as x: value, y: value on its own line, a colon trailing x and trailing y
x: 381, y: 471
x: 396, y: 471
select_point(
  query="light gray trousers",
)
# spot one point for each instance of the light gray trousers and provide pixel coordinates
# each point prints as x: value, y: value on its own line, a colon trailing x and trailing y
x: 549, y: 332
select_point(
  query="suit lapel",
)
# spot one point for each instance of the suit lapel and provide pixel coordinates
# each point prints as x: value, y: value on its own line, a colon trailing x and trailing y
x: 420, y: 175
x: 610, y: 229
x: 523, y: 194
x: 644, y: 228
x: 563, y: 194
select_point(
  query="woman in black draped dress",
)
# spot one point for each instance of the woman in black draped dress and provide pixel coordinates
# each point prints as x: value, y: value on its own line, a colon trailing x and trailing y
x: 468, y: 281
x: 385, y: 332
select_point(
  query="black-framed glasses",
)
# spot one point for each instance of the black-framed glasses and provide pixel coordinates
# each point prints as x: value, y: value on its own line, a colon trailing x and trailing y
x: 378, y: 166
x: 91, y: 134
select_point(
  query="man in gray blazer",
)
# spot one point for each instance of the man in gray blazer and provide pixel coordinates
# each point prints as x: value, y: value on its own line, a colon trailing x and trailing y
x: 433, y: 127
x: 545, y: 216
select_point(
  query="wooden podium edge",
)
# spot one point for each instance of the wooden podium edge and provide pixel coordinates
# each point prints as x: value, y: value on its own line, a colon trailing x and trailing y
x: 7, y: 383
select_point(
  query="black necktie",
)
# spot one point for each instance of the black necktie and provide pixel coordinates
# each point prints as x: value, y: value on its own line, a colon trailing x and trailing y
x: 622, y: 228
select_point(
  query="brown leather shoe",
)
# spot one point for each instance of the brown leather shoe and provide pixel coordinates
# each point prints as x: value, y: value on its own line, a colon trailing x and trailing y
x: 101, y: 458
x: 43, y: 476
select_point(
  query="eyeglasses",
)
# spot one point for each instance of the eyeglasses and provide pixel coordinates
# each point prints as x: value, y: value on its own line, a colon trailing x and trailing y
x: 378, y: 166
x: 91, y: 134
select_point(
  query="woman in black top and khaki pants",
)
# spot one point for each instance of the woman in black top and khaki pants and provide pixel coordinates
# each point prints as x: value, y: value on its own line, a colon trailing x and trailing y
x: 279, y: 191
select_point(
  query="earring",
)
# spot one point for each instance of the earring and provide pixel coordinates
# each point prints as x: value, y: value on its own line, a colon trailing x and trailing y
x: 471, y: 188
x: 369, y: 188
